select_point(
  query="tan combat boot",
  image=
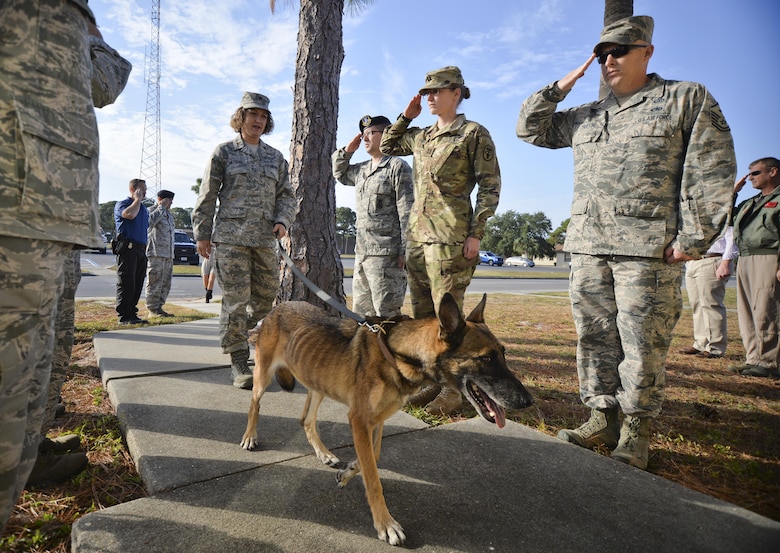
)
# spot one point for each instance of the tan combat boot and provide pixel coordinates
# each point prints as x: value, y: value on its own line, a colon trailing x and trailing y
x: 424, y: 396
x: 601, y: 429
x: 634, y: 442
x: 446, y: 402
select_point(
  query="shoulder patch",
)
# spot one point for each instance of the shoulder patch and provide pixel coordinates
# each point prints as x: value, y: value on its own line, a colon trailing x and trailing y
x: 717, y: 119
x: 489, y: 153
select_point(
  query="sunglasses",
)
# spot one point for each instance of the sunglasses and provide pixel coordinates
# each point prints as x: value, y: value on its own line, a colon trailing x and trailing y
x: 755, y: 173
x: 618, y: 51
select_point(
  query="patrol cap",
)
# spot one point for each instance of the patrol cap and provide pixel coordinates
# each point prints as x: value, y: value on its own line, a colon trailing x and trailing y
x: 371, y: 120
x: 446, y: 77
x: 255, y: 100
x: 165, y: 194
x: 627, y: 31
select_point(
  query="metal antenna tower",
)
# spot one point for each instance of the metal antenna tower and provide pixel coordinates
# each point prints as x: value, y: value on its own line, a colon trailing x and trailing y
x: 150, y: 154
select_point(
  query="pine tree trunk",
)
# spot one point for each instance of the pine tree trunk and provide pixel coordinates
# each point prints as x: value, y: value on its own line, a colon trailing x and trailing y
x: 312, y: 239
x: 614, y: 10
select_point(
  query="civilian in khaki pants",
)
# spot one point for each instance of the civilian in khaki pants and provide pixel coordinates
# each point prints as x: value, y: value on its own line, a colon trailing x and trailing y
x: 705, y: 282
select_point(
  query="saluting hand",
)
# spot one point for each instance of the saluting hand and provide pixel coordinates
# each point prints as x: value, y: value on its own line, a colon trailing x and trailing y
x: 567, y: 83
x: 414, y: 108
x: 354, y: 144
x: 740, y: 183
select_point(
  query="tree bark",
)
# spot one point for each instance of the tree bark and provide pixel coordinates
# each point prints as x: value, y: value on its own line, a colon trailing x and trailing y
x: 311, y: 241
x: 613, y: 11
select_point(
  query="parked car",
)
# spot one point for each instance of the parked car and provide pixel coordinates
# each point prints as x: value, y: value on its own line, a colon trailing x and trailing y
x: 184, y: 249
x: 105, y: 244
x: 519, y: 261
x: 490, y: 258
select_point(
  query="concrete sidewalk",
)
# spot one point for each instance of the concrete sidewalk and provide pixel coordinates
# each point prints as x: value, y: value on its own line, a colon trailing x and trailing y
x: 462, y: 487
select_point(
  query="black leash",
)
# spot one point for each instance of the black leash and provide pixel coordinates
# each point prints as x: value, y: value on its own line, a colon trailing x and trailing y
x: 340, y: 307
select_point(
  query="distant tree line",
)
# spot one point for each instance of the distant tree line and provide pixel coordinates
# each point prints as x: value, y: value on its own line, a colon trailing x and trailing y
x: 509, y: 233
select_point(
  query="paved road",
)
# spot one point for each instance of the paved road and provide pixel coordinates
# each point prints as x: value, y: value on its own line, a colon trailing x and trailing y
x: 99, y: 281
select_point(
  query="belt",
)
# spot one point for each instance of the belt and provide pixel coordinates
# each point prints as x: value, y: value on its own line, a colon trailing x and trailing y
x: 713, y: 255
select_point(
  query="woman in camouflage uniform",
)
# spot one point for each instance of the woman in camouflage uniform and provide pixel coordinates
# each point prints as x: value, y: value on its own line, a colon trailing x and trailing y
x: 450, y: 157
x: 256, y: 206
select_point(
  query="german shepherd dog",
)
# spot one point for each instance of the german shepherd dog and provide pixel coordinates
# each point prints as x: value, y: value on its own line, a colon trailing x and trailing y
x: 374, y: 373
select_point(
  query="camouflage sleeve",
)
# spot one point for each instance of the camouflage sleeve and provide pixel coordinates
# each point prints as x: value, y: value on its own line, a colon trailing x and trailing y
x: 156, y: 213
x: 342, y: 170
x: 488, y: 177
x: 538, y: 122
x: 398, y: 139
x: 404, y: 197
x: 708, y: 174
x: 286, y: 204
x: 110, y: 72
x: 206, y: 203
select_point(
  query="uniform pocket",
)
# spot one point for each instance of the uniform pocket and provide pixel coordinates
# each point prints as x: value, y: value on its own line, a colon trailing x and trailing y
x: 59, y: 156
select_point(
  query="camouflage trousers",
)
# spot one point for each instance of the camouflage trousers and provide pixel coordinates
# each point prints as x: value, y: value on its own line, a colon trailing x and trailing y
x: 625, y: 309
x: 433, y: 270
x: 30, y: 284
x: 64, y: 330
x: 378, y: 286
x: 249, y: 278
x: 159, y: 273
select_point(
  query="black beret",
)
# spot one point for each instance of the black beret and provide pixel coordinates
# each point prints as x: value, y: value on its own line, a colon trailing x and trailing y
x: 163, y: 194
x: 369, y: 121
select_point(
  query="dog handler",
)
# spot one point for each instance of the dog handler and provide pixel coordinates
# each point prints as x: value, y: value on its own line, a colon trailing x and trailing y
x: 250, y: 181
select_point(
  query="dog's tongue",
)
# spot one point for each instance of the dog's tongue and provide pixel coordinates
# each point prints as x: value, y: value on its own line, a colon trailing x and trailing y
x: 497, y: 412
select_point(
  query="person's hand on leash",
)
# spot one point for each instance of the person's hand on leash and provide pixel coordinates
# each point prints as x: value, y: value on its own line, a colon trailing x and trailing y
x: 280, y: 231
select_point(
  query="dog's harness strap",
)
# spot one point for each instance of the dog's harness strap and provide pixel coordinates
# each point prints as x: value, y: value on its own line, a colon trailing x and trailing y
x: 385, y: 350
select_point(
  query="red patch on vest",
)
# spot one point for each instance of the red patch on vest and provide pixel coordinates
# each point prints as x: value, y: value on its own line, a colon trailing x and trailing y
x: 770, y: 204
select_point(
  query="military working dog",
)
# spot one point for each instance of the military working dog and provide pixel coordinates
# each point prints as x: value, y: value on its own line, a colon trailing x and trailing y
x: 374, y: 373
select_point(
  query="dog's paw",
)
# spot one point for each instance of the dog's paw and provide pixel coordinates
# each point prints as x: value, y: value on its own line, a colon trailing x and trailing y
x: 249, y: 443
x: 327, y: 458
x: 392, y: 533
x: 345, y: 475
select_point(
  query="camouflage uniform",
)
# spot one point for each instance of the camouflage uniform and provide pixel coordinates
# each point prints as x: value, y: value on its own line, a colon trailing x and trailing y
x: 656, y: 171
x: 64, y: 331
x: 159, y: 252
x: 384, y: 196
x: 254, y: 193
x: 448, y: 163
x: 48, y: 203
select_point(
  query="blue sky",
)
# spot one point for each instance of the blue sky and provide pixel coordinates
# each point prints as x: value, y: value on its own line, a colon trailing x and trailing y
x: 506, y: 50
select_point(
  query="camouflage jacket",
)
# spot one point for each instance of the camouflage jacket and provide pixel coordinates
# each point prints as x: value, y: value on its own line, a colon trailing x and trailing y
x: 47, y: 119
x: 448, y: 163
x: 383, y: 197
x: 160, y: 233
x: 254, y: 193
x: 657, y: 171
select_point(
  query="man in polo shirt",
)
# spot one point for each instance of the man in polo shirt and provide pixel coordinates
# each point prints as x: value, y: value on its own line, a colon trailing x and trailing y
x: 132, y: 222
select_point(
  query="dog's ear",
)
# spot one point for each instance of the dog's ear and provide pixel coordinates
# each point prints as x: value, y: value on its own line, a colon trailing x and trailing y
x: 477, y: 314
x: 452, y: 327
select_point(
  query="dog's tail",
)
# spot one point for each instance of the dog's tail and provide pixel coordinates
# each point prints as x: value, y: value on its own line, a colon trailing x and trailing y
x: 285, y: 379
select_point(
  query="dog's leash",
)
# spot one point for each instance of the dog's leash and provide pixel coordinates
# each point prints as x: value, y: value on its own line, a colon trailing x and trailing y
x: 377, y: 329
